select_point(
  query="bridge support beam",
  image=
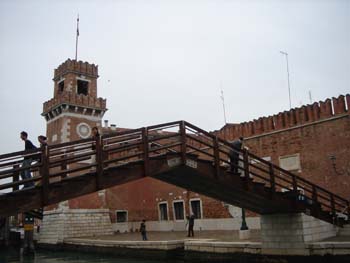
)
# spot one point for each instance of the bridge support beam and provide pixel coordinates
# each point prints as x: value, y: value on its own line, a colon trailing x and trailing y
x: 288, y: 234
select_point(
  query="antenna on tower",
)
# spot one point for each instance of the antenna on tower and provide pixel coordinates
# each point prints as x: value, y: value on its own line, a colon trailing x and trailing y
x: 76, y: 40
x: 223, y: 102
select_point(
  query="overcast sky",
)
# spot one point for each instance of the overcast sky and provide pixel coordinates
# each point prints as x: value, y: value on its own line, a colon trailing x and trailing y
x: 162, y: 61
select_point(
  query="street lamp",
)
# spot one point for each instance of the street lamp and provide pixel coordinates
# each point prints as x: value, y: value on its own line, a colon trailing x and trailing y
x: 286, y: 54
x: 244, y: 223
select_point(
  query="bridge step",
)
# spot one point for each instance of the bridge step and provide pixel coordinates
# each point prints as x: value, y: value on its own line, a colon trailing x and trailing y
x: 345, y: 231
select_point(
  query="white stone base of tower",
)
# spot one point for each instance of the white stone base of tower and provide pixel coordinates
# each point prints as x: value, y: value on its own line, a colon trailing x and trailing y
x: 289, y: 234
x: 63, y: 223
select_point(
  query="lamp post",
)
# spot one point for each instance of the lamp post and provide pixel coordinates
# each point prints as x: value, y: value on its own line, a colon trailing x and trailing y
x: 244, y: 223
x: 286, y: 55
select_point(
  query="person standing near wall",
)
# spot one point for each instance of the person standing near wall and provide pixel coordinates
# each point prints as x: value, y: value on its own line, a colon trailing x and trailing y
x: 190, y: 222
x: 234, y: 154
x: 143, y: 230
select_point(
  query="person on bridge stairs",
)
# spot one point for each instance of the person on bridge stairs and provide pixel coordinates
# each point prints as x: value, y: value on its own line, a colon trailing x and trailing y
x: 27, y: 160
x: 234, y: 154
x: 43, y: 143
x: 95, y: 136
x: 190, y: 222
x: 42, y: 140
x: 143, y: 230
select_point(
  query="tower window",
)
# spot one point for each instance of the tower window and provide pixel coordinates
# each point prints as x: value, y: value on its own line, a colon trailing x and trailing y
x: 83, y: 87
x: 61, y: 87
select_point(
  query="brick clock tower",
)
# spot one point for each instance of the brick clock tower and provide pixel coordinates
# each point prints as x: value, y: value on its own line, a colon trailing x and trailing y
x: 70, y: 115
x: 75, y: 107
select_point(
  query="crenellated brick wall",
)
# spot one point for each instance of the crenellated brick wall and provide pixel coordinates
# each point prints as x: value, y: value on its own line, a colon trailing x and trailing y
x: 317, y: 111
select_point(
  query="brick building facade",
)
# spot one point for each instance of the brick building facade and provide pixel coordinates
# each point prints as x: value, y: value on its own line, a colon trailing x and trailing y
x: 313, y: 141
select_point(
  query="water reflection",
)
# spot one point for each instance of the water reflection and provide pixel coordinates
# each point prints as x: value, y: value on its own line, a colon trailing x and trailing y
x: 14, y: 256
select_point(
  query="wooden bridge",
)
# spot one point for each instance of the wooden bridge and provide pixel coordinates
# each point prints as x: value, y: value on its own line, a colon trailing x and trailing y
x: 178, y: 153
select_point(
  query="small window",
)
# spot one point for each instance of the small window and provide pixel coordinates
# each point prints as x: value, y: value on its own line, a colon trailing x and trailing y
x: 163, y: 211
x: 60, y: 87
x: 83, y: 87
x: 196, y: 208
x: 122, y: 216
x: 179, y: 210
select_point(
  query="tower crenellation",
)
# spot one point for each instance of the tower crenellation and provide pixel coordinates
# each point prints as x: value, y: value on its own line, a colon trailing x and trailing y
x: 76, y: 67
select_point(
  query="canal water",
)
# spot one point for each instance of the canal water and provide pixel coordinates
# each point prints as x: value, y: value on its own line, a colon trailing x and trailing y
x: 14, y: 256
x: 48, y: 256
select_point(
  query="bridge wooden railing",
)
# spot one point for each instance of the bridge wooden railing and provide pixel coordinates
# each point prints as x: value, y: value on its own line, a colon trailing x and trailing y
x: 62, y: 161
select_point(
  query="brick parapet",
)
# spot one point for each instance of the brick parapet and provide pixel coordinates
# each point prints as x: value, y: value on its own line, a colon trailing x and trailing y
x: 75, y: 99
x: 74, y: 66
x: 288, y: 119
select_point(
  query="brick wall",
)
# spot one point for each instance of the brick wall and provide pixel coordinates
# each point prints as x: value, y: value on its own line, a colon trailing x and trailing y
x: 141, y: 199
x: 321, y: 130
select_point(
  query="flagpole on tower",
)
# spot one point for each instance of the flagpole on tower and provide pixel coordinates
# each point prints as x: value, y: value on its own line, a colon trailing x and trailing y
x: 76, y: 40
x: 223, y: 102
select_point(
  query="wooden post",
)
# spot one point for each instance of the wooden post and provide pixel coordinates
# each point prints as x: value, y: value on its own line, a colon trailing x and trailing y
x: 15, y: 178
x: 216, y: 156
x: 45, y: 175
x: 63, y: 167
x: 333, y: 204
x: 99, y: 162
x: 295, y: 184
x: 183, y: 142
x: 246, y: 164
x: 272, y: 178
x: 315, y: 205
x: 314, y: 194
x: 28, y: 242
x: 145, y: 151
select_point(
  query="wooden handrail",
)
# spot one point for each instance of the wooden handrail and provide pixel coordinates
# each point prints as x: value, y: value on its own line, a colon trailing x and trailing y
x: 216, y: 150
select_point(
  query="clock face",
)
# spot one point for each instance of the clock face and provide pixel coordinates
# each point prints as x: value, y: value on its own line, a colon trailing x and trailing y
x: 83, y: 130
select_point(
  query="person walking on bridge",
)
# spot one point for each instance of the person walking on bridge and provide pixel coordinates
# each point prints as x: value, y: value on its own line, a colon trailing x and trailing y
x: 42, y: 140
x: 27, y: 160
x: 95, y: 136
x: 234, y: 154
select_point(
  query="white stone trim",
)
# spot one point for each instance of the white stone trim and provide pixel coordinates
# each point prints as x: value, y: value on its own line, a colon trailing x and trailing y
x: 83, y: 79
x: 225, y: 224
x: 76, y: 115
x: 88, y: 130
x: 295, y: 158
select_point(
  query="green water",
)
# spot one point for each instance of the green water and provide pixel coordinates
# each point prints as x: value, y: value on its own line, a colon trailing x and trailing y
x: 14, y: 256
